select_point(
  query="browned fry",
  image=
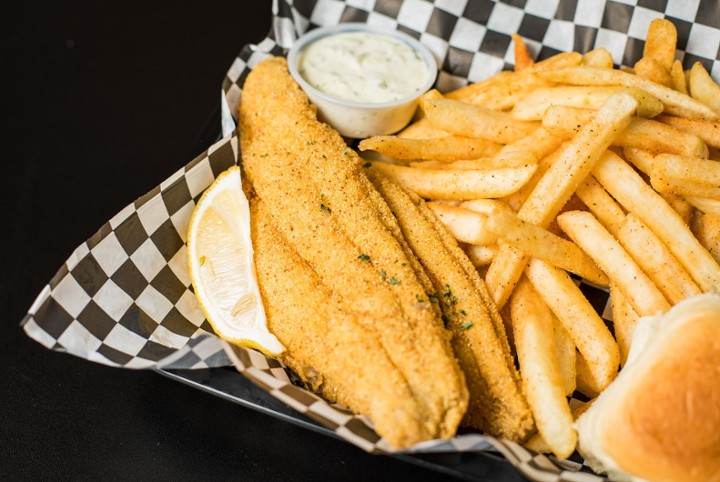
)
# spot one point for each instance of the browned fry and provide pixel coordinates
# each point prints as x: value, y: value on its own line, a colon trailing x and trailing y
x: 677, y: 73
x: 649, y: 69
x: 574, y: 162
x: 448, y: 148
x: 523, y: 59
x: 499, y: 161
x: 656, y: 260
x: 641, y: 133
x: 472, y: 121
x: 629, y: 189
x: 499, y: 92
x: 614, y: 260
x: 661, y: 43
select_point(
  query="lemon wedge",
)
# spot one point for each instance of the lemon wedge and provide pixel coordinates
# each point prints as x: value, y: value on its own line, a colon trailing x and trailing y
x: 222, y: 271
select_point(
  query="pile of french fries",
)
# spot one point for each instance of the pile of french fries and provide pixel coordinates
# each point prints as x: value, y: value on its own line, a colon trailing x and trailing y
x: 570, y: 169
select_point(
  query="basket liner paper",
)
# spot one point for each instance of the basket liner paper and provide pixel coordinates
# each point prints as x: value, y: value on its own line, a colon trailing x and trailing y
x: 123, y: 298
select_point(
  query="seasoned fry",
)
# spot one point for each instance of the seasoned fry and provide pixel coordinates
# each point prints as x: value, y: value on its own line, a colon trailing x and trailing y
x: 480, y: 256
x: 566, y: 356
x: 687, y: 176
x: 422, y: 129
x: 628, y: 188
x: 574, y: 162
x: 542, y: 244
x: 656, y: 260
x: 661, y: 43
x: 600, y: 245
x: 599, y: 57
x: 583, y: 324
x: 465, y: 225
x: 499, y: 92
x: 706, y: 130
x: 624, y: 320
x: 534, y: 106
x: 472, y: 121
x: 540, y: 144
x: 448, y: 148
x: 704, y: 88
x: 458, y: 184
x: 707, y: 229
x: 533, y: 334
x: 647, y: 134
x: 601, y: 204
x: 500, y: 161
x: 651, y: 70
x: 675, y: 102
x: 677, y: 74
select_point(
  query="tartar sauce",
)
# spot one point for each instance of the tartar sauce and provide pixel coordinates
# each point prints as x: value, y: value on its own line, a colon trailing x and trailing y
x: 363, y: 67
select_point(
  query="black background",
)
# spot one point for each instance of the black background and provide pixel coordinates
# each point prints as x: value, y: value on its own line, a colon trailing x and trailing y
x: 100, y: 102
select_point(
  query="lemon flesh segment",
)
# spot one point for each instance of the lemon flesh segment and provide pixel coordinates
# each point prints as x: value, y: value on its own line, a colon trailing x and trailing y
x: 222, y: 272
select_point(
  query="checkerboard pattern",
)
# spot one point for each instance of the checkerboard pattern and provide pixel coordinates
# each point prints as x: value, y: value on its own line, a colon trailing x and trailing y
x: 471, y: 38
x: 124, y: 298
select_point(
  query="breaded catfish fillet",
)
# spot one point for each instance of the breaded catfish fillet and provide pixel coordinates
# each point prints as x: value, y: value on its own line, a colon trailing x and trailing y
x: 308, y: 318
x: 318, y: 199
x: 497, y: 404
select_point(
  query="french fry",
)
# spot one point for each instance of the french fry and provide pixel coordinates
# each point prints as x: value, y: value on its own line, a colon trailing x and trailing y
x: 566, y: 351
x: 681, y: 205
x: 534, y: 105
x: 678, y: 77
x: 599, y: 57
x: 542, y: 244
x: 640, y: 158
x: 465, y: 225
x: 707, y: 206
x: 675, y: 102
x: 500, y: 161
x: 706, y: 130
x: 574, y: 162
x: 614, y: 260
x: 628, y: 188
x: 447, y: 148
x: 624, y: 320
x: 601, y: 204
x: 587, y: 330
x: 651, y: 70
x: 656, y: 260
x: 534, y: 342
x: 661, y: 42
x: 584, y: 377
x: 648, y: 134
x: 703, y: 87
x: 540, y: 144
x: 422, y: 129
x: 687, y: 176
x: 480, y: 256
x: 536, y: 441
x: 471, y: 121
x: 706, y: 227
x: 457, y: 184
x: 501, y: 91
x: 523, y: 59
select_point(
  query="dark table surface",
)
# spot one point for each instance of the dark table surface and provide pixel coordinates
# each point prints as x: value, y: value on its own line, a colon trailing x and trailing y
x: 101, y: 102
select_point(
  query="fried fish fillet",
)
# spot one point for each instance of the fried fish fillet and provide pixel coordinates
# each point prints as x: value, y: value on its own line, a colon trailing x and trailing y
x: 319, y: 200
x: 497, y: 404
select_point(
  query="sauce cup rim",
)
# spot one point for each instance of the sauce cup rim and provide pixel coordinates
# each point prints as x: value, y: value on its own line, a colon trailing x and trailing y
x: 321, y: 32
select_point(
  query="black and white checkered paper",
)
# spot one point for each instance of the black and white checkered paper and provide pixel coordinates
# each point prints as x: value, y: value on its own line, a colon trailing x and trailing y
x: 124, y: 298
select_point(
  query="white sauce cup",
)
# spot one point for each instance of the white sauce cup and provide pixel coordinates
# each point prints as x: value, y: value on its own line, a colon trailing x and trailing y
x: 362, y: 119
